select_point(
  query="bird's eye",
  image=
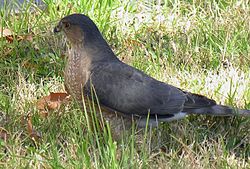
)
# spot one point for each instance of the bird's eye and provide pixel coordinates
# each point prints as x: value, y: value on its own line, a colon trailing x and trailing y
x: 66, y: 25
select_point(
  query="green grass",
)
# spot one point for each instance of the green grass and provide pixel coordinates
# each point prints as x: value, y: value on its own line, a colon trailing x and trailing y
x: 200, y: 46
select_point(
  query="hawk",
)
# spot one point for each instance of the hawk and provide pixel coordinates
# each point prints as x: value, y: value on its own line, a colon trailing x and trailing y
x: 122, y: 88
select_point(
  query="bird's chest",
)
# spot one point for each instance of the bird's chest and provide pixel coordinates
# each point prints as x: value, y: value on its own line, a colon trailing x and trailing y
x: 76, y: 73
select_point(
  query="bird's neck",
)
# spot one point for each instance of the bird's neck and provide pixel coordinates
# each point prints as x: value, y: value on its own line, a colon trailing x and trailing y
x: 99, y: 50
x: 93, y: 51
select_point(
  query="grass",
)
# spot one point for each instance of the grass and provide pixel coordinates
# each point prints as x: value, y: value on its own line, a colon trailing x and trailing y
x: 199, y: 46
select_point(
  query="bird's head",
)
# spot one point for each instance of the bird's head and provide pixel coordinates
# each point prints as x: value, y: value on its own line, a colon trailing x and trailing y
x: 81, y: 31
x: 78, y: 28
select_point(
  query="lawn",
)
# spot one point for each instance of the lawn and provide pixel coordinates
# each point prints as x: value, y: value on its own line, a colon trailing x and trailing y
x: 200, y: 46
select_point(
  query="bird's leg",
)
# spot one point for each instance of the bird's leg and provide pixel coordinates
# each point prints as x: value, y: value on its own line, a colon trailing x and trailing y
x: 104, y: 116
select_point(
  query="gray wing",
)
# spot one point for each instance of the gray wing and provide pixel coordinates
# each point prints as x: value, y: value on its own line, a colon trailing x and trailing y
x: 130, y: 91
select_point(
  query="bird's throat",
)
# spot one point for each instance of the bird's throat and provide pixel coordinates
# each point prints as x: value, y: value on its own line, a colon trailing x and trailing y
x: 76, y: 71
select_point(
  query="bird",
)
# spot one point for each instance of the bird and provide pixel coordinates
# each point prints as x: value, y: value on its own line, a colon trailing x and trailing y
x: 122, y: 89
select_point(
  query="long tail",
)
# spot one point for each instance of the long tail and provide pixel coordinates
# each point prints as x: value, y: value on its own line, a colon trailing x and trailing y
x: 221, y: 110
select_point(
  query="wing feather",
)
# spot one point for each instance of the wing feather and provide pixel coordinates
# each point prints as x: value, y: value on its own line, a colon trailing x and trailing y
x: 130, y: 91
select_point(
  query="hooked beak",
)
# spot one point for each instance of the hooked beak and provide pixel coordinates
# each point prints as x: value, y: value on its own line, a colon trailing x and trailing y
x: 58, y: 28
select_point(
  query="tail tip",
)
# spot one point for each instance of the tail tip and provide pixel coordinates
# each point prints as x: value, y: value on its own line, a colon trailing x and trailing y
x: 225, y: 110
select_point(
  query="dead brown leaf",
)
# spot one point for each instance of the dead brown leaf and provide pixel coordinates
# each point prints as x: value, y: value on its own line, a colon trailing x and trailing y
x: 58, y: 96
x: 34, y: 135
x: 25, y: 37
x: 10, y: 36
x: 5, y: 32
x: 29, y: 37
x: 4, y: 134
x: 51, y: 102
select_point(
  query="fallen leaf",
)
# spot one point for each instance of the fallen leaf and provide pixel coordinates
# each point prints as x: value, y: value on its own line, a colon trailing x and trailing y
x: 42, y: 103
x: 4, y: 134
x: 25, y: 37
x: 58, y: 96
x: 44, y: 113
x: 51, y: 102
x: 29, y: 125
x: 5, y: 32
x: 28, y: 37
x: 10, y: 36
x: 34, y: 135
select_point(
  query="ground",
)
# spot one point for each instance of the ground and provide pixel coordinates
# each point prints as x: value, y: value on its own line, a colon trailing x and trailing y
x: 202, y: 47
